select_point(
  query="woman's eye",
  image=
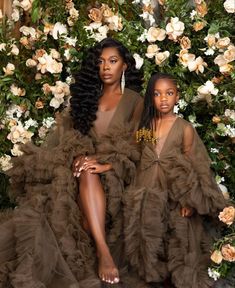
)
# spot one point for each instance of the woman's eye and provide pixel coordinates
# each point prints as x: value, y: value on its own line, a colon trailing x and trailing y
x: 156, y: 94
x: 113, y: 61
x: 100, y: 61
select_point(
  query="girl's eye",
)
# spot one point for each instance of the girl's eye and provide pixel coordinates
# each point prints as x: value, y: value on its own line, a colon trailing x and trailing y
x: 156, y: 94
x: 170, y: 93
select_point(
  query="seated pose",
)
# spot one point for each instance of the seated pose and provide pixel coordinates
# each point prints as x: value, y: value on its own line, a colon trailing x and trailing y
x: 173, y: 190
x: 66, y: 231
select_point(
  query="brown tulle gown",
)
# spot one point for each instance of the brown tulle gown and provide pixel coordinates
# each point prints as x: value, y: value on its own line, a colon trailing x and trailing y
x: 159, y: 242
x: 42, y: 241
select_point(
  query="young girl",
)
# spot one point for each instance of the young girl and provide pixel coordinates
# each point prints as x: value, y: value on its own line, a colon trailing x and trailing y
x: 173, y: 189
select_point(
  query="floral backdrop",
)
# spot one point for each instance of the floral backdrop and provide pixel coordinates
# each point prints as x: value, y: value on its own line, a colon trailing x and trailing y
x: 43, y: 42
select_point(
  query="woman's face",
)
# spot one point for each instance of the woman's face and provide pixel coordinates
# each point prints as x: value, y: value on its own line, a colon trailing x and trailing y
x: 111, y: 66
x: 165, y: 96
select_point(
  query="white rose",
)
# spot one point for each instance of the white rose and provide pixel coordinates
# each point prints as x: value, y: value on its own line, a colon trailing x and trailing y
x: 17, y: 91
x: 161, y: 57
x: 26, y: 4
x: 175, y: 28
x: 139, y: 61
x: 55, y: 102
x: 28, y: 31
x: 59, y: 29
x: 229, y: 6
x: 3, y: 46
x: 156, y: 34
x: 207, y: 88
x: 220, y: 60
x: 15, y: 15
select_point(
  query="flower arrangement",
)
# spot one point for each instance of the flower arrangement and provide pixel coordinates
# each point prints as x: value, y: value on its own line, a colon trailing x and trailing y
x: 192, y: 40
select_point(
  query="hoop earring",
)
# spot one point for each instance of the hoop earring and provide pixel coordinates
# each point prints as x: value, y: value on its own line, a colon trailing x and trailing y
x: 123, y: 82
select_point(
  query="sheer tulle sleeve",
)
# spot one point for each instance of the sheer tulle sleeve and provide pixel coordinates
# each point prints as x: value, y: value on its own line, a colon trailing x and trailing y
x: 193, y: 183
x: 39, y: 164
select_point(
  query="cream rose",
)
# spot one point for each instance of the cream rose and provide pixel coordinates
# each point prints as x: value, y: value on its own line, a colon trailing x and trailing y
x: 223, y: 43
x: 229, y: 6
x: 228, y: 252
x: 155, y: 34
x: 175, y: 28
x: 5, y: 162
x: 17, y: 91
x: 185, y: 57
x: 152, y: 50
x: 161, y: 57
x: 39, y: 104
x: 211, y: 40
x: 197, y: 65
x: 226, y: 69
x: 26, y: 4
x: 229, y: 54
x: 9, y: 69
x: 227, y: 216
x: 15, y: 151
x: 216, y: 257
x: 31, y: 63
x: 14, y: 50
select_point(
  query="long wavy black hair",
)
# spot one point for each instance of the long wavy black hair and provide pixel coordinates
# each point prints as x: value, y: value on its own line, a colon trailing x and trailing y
x: 86, y: 90
x: 150, y: 112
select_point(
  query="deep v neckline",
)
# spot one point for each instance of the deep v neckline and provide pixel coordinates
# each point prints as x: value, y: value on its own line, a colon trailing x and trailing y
x: 165, y: 141
x: 117, y: 108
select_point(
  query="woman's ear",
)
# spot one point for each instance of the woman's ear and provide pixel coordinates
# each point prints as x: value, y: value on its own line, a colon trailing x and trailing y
x: 124, y: 67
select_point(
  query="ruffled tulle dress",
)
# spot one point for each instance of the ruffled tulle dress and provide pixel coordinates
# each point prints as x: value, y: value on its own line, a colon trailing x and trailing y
x: 42, y: 241
x: 159, y: 242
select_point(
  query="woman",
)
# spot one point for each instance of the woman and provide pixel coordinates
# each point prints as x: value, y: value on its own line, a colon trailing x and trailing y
x: 63, y: 222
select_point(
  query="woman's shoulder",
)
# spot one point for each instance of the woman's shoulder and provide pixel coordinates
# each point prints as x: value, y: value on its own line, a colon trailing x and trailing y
x: 132, y: 94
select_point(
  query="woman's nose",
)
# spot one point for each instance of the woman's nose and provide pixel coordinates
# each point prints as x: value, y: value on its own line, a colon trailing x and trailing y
x: 106, y: 66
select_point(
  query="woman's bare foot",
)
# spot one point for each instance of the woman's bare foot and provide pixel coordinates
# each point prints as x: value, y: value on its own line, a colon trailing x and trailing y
x: 108, y: 271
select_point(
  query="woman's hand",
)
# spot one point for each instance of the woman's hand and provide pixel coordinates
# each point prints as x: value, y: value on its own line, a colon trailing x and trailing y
x: 92, y: 166
x: 84, y: 163
x: 186, y: 211
x: 77, y: 165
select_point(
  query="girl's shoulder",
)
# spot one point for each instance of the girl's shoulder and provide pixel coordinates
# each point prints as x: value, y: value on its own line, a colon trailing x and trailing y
x: 184, y: 123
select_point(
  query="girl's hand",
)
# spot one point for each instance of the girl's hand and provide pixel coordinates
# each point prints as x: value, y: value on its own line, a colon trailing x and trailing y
x: 94, y: 167
x: 186, y: 211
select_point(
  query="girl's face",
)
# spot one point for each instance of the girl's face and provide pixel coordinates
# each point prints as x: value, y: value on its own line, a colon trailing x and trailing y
x: 111, y: 66
x: 165, y: 96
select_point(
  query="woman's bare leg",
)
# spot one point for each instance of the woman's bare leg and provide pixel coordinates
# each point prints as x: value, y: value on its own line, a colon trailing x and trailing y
x: 93, y: 202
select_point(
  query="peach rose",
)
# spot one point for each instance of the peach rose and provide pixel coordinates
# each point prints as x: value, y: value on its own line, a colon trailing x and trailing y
x: 185, y: 43
x: 31, y: 63
x: 148, y: 8
x: 216, y: 119
x: 46, y: 88
x: 226, y: 69
x: 220, y: 60
x: 175, y: 28
x: 228, y: 252
x: 201, y: 9
x: 106, y: 11
x: 9, y: 69
x: 197, y: 26
x: 223, y: 43
x: 95, y: 15
x: 227, y: 216
x: 39, y: 104
x: 24, y: 41
x: 216, y: 257
x: 40, y: 53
